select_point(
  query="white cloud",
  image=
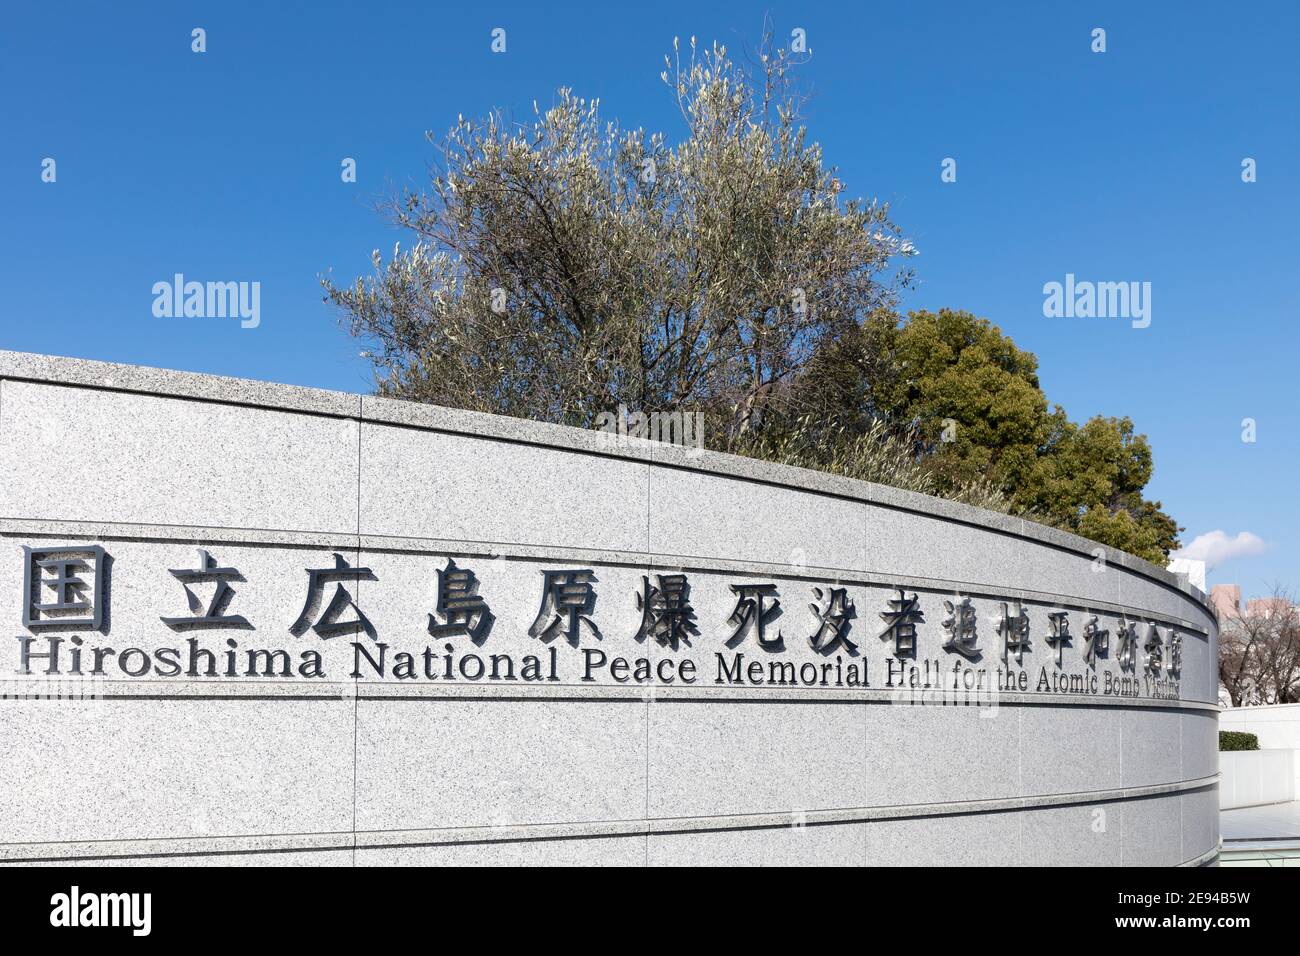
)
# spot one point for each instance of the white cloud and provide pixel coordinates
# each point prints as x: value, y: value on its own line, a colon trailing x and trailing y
x: 1216, y: 547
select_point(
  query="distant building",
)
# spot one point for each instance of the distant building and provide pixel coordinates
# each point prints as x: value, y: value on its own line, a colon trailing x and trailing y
x: 1267, y: 606
x: 1194, y: 569
x: 1226, y: 600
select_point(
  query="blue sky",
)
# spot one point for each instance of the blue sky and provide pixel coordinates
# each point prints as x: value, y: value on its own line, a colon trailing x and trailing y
x: 1118, y: 166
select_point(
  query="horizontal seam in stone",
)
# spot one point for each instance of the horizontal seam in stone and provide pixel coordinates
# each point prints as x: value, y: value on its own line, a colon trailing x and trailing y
x: 551, y: 832
x: 563, y: 693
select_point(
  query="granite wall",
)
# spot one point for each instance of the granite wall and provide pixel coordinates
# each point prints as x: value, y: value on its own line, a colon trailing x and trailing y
x: 337, y: 629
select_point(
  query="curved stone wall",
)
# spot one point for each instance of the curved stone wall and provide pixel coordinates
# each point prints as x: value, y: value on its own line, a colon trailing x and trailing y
x: 333, y: 628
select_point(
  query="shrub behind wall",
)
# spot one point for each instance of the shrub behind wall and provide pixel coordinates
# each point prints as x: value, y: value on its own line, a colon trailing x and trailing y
x: 1237, y: 740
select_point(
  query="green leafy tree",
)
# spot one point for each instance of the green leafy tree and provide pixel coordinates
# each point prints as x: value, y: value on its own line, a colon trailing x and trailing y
x: 971, y: 396
x: 974, y: 401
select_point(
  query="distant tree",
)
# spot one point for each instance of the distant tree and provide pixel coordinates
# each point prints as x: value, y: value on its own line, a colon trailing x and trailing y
x: 564, y: 265
x: 1259, y: 652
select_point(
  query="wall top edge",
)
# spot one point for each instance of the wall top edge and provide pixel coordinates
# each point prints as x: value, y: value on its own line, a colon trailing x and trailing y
x: 1261, y: 709
x: 168, y: 383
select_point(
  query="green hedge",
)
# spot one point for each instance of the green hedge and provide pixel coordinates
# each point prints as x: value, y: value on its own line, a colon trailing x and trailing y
x: 1236, y: 740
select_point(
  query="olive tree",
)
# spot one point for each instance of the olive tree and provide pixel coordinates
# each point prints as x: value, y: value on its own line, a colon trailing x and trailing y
x: 560, y: 267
